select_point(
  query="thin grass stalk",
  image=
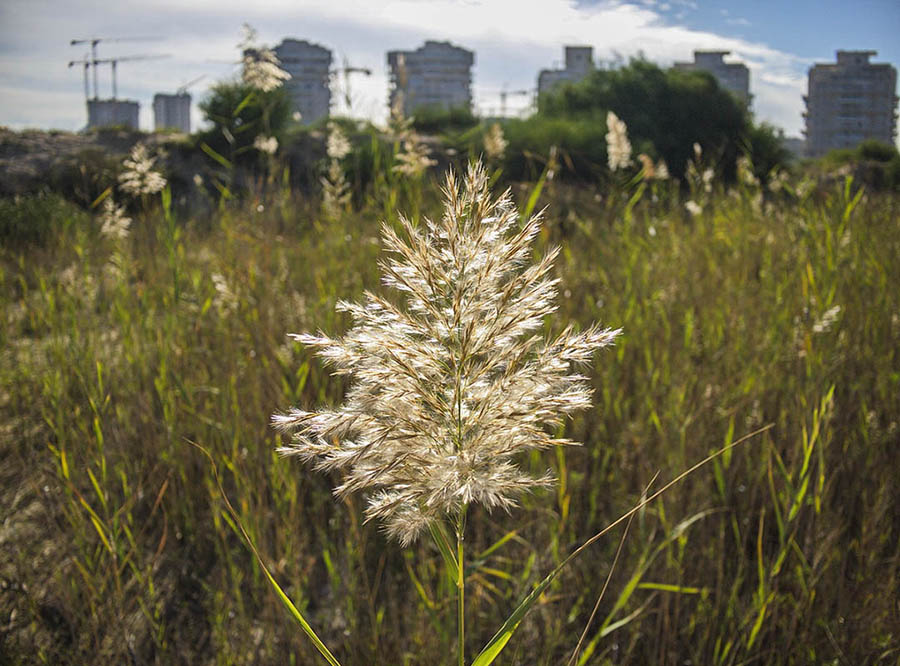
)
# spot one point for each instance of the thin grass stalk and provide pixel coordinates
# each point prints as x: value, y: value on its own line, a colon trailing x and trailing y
x: 461, y: 585
x: 612, y: 568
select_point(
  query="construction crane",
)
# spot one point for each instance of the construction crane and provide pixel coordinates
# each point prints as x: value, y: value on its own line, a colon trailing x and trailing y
x: 182, y: 89
x: 94, y: 41
x: 505, y: 93
x: 87, y: 66
x: 94, y: 62
x: 347, y: 70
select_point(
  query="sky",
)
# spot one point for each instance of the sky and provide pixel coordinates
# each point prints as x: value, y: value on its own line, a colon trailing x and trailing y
x: 779, y: 40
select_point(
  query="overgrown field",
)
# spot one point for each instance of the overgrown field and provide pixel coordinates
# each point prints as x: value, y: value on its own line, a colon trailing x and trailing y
x: 119, y: 355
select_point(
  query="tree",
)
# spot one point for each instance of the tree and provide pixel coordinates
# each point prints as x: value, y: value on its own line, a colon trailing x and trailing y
x: 666, y: 111
x: 240, y: 113
x: 765, y: 147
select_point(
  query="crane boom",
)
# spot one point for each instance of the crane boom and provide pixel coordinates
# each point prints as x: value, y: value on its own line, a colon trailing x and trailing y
x: 347, y: 70
x: 87, y: 65
x: 94, y: 41
x: 182, y: 89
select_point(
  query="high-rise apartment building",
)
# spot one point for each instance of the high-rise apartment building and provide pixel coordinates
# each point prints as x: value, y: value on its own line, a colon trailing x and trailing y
x: 579, y: 63
x: 113, y: 112
x: 309, y: 66
x: 733, y: 77
x: 172, y: 112
x: 850, y: 101
x: 437, y: 75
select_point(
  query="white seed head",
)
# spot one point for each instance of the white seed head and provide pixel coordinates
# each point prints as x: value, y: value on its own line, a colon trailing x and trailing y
x: 139, y: 176
x: 693, y: 207
x: 827, y: 320
x: 335, y: 191
x: 618, y: 147
x: 414, y: 158
x: 337, y: 145
x: 451, y: 384
x: 261, y: 67
x: 708, y: 177
x: 745, y: 172
x: 114, y: 223
x: 662, y: 170
x: 266, y: 144
x: 494, y: 142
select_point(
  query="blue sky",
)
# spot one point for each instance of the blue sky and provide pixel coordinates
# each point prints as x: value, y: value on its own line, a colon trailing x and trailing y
x: 513, y: 40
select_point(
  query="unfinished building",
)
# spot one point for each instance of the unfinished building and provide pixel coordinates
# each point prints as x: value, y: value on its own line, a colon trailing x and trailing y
x: 436, y: 75
x: 579, y: 63
x: 172, y: 112
x: 309, y: 86
x: 113, y: 113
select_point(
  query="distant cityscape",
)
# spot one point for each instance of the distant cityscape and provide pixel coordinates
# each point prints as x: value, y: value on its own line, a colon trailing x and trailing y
x: 847, y: 102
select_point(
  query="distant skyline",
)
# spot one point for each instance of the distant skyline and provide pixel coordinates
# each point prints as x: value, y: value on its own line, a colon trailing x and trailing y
x: 512, y: 42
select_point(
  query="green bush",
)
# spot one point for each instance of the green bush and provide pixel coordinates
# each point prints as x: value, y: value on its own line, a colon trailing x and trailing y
x: 435, y: 120
x: 872, y: 163
x: 35, y: 219
x: 877, y: 151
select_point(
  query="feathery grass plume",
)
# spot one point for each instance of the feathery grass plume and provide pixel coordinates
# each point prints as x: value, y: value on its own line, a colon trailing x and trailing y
x: 139, y: 176
x: 266, y: 144
x: 708, y: 176
x: 651, y: 171
x: 452, y: 385
x: 261, y: 68
x: 648, y: 169
x: 777, y: 178
x: 414, y: 158
x: 401, y: 81
x: 335, y: 190
x: 495, y: 143
x: 337, y: 146
x: 827, y: 320
x: 745, y: 172
x: 693, y: 207
x: 618, y: 147
x: 113, y: 221
x: 662, y: 170
x: 225, y: 300
x: 696, y: 178
x: 399, y: 126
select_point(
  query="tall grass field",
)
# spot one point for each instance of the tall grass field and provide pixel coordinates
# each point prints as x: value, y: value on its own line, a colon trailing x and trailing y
x: 125, y: 356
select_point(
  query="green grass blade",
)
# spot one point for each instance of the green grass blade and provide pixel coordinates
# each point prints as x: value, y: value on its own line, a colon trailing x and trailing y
x: 440, y: 538
x: 667, y: 587
x: 606, y: 631
x: 539, y: 187
x: 497, y: 544
x: 209, y: 150
x: 244, y: 102
x: 295, y: 613
x: 298, y: 616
